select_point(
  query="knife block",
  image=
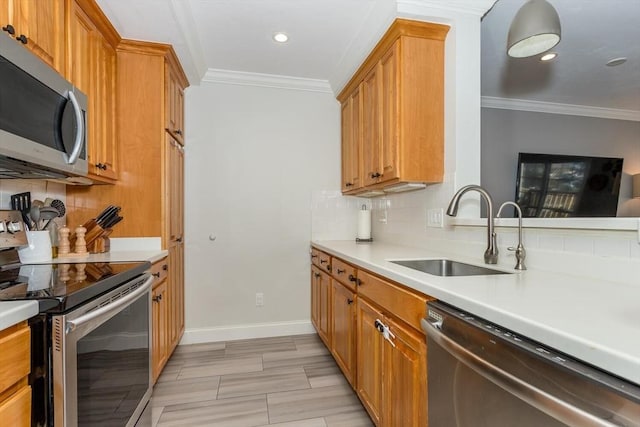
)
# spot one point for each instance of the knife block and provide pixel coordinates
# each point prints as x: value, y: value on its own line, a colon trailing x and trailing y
x: 96, y: 237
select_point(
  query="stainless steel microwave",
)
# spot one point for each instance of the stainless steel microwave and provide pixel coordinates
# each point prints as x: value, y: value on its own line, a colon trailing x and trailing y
x: 43, y: 132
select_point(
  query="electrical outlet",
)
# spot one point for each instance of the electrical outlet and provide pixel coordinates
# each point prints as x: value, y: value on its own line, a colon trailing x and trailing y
x: 435, y: 218
x: 259, y: 299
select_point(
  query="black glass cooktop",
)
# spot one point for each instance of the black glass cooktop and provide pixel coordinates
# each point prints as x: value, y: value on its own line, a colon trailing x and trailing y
x: 60, y: 287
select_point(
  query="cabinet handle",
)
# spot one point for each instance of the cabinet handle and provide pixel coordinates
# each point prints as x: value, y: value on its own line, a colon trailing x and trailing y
x: 22, y: 39
x: 352, y: 278
x: 157, y: 298
x: 378, y: 325
x: 178, y: 132
x: 348, y: 184
x: 322, y: 261
x: 328, y: 268
x: 340, y: 271
x: 314, y: 256
x: 165, y: 267
x: 349, y: 301
x: 179, y: 239
x: 316, y: 275
x: 9, y: 29
x: 156, y: 275
x: 376, y: 175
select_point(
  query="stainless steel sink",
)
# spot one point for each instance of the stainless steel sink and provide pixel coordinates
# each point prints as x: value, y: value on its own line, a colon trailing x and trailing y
x: 447, y: 267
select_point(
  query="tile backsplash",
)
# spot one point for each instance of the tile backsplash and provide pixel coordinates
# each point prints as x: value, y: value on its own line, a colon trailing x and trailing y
x: 39, y: 189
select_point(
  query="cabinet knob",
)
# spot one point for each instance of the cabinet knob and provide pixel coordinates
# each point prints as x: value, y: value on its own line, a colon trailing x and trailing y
x: 165, y: 267
x: 178, y: 132
x: 376, y: 175
x: 9, y: 29
x: 352, y: 278
x: 348, y: 184
x: 316, y: 275
x: 341, y: 271
x: 157, y: 298
x: 22, y: 39
x: 156, y: 275
x: 349, y: 301
x: 328, y: 267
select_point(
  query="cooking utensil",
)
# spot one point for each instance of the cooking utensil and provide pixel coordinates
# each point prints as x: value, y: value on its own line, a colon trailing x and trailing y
x: 113, y: 221
x: 38, y: 203
x: 59, y: 205
x: 34, y: 214
x: 22, y: 202
x: 106, y: 213
x: 48, y: 213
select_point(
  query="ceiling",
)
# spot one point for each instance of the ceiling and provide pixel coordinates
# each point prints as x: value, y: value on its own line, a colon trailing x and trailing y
x: 237, y: 34
x: 593, y: 32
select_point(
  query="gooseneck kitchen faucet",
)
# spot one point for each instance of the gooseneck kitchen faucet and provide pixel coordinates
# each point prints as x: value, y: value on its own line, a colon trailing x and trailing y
x: 491, y: 254
x: 519, y: 250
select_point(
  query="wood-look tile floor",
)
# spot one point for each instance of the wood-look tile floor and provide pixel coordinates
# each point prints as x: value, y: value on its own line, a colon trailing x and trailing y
x: 283, y: 381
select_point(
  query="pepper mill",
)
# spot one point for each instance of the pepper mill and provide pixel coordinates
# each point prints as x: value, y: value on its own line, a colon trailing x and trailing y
x: 81, y: 244
x: 64, y: 247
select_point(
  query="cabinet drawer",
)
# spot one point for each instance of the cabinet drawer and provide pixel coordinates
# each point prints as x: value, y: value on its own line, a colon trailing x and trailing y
x: 15, y: 355
x: 395, y: 300
x: 321, y: 260
x: 343, y: 272
x: 16, y: 410
x: 159, y: 270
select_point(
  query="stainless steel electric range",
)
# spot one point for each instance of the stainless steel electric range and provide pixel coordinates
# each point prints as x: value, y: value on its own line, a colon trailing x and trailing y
x: 91, y: 342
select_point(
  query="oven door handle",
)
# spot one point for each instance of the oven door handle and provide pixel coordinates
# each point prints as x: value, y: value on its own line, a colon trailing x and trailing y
x: 545, y: 402
x: 125, y: 300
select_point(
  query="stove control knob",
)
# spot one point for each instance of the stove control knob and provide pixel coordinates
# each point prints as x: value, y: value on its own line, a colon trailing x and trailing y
x: 3, y: 227
x: 14, y: 227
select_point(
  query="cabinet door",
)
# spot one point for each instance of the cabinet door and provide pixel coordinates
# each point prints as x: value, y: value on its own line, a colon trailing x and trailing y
x: 41, y: 23
x: 15, y: 411
x: 351, y: 143
x: 315, y: 297
x: 159, y: 340
x: 371, y: 127
x: 174, y: 109
x: 405, y: 385
x: 325, y: 308
x: 389, y: 147
x: 343, y: 338
x: 369, y: 359
x: 174, y: 182
x: 175, y: 294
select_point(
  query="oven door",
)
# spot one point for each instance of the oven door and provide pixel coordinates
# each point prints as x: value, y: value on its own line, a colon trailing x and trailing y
x: 101, y: 358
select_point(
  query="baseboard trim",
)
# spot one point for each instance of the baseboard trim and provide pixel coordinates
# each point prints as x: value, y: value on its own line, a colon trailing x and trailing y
x: 241, y: 332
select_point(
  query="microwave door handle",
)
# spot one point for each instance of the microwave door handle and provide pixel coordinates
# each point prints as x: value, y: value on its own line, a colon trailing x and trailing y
x: 518, y: 387
x: 73, y: 324
x: 77, y: 146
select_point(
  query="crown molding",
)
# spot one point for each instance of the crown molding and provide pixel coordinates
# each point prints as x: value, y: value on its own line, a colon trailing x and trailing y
x: 556, y: 108
x: 266, y: 80
x: 473, y: 7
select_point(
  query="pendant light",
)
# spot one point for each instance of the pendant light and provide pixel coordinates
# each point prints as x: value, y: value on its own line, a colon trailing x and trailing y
x: 535, y: 29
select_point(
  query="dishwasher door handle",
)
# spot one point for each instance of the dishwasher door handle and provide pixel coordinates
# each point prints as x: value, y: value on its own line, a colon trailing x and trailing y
x: 528, y: 393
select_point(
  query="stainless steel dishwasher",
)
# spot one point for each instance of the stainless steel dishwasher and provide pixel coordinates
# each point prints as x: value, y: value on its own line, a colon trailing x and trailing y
x: 481, y: 375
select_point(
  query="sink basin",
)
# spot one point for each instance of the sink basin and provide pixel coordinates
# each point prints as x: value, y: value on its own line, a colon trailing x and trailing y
x: 447, y: 268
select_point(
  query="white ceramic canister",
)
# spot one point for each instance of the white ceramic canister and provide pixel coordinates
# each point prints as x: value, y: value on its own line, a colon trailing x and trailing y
x: 38, y: 249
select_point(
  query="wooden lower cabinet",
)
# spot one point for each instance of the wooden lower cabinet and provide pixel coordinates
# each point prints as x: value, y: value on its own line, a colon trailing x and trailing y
x: 160, y: 335
x: 369, y: 364
x: 15, y: 364
x: 388, y: 373
x: 343, y: 329
x: 320, y: 298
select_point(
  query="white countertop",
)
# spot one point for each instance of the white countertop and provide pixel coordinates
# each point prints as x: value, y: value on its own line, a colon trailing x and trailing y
x: 594, y: 321
x: 12, y: 312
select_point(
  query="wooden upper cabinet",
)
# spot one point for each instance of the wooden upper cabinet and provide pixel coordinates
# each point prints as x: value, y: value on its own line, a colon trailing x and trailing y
x: 174, y: 182
x: 371, y: 126
x: 38, y: 25
x: 402, y: 88
x: 91, y: 66
x: 174, y: 98
x: 351, y: 143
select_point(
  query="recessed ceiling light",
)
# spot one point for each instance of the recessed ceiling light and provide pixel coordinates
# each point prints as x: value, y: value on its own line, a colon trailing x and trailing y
x: 616, y: 62
x: 548, y: 56
x: 280, y: 37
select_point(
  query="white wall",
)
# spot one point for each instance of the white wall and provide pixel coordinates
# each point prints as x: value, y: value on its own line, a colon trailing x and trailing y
x: 254, y: 157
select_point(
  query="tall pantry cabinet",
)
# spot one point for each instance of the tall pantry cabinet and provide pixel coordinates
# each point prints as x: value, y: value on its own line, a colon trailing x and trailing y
x: 150, y: 190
